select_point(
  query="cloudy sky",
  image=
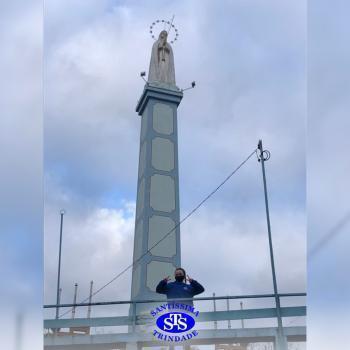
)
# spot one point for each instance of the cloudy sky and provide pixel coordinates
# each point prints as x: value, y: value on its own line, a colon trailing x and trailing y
x: 249, y: 59
x: 21, y: 168
x: 249, y: 62
x: 328, y: 173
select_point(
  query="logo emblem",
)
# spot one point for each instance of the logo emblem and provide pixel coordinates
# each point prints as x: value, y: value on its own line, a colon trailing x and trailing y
x: 175, y: 322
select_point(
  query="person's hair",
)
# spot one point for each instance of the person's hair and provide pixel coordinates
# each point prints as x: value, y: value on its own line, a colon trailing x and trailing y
x: 183, y: 270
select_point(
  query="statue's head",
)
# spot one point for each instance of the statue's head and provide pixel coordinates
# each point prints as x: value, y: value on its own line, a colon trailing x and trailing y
x: 163, y: 35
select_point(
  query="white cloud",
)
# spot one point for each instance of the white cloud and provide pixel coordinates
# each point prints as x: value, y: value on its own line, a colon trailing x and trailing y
x: 96, y: 246
x: 231, y: 256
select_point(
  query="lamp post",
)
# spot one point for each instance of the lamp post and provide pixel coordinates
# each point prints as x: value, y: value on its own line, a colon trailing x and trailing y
x: 62, y: 212
x: 281, y: 339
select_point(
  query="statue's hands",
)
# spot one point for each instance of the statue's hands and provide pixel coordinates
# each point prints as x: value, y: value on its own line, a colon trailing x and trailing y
x: 189, y: 279
x: 167, y: 278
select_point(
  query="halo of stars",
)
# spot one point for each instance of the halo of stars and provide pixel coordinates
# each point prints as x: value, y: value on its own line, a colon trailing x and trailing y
x: 164, y: 22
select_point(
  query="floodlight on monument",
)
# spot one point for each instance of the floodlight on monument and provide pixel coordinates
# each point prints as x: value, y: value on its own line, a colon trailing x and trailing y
x: 142, y: 75
x: 193, y: 84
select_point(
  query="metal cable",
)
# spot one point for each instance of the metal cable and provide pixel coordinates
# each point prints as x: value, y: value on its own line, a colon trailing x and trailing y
x: 168, y: 233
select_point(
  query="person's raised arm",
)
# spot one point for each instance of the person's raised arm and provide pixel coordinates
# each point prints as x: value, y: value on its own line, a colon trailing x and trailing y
x: 162, y: 287
x: 197, y: 287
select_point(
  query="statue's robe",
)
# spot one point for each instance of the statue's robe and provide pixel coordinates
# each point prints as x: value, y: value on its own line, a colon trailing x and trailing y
x: 161, y: 68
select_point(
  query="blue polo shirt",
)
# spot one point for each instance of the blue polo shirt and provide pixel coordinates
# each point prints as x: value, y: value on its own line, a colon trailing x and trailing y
x: 175, y: 290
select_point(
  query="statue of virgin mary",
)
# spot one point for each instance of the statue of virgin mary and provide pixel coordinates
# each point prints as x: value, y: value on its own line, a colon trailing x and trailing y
x: 161, y: 68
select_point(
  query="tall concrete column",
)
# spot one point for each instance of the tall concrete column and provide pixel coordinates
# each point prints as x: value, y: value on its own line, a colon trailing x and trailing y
x: 157, y: 209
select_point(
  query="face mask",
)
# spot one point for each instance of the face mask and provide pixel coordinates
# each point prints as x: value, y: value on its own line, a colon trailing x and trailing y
x: 179, y: 278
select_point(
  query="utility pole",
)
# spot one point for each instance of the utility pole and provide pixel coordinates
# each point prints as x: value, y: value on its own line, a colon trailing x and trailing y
x: 214, y: 302
x: 242, y: 320
x: 59, y: 266
x: 90, y: 300
x: 281, y: 339
x: 228, y: 309
x: 19, y: 331
x: 74, y: 299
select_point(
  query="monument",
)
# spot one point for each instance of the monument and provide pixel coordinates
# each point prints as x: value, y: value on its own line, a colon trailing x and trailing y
x: 157, y: 208
x: 162, y: 67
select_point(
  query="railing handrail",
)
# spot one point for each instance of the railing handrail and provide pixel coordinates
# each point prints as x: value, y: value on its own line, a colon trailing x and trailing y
x: 206, y: 316
x: 122, y: 302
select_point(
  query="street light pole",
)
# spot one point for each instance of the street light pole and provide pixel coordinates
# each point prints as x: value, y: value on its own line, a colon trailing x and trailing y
x: 282, y: 343
x: 59, y: 265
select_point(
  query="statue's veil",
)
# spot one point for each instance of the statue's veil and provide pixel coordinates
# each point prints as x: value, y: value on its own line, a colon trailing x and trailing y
x: 154, y: 73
